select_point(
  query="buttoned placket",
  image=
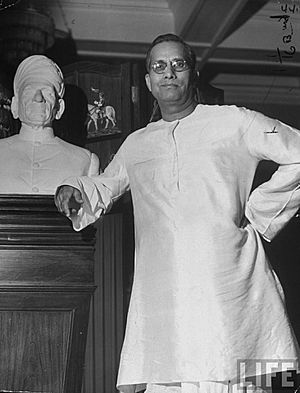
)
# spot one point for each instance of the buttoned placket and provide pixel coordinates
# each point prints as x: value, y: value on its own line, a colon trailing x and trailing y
x: 35, y: 166
x: 175, y: 168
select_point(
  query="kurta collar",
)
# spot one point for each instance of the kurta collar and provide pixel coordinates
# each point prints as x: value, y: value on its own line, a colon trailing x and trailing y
x: 29, y: 134
x: 176, y: 121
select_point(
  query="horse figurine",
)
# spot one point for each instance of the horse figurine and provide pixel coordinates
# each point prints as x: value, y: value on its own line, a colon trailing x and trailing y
x: 99, y: 111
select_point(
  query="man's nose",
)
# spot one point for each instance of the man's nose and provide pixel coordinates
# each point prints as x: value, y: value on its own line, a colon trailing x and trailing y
x: 38, y: 97
x: 169, y: 72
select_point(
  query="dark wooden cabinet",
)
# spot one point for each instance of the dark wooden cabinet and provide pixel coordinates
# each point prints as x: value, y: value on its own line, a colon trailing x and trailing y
x: 46, y: 283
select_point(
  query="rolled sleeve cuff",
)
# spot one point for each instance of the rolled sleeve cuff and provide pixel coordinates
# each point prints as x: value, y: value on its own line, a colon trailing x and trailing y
x: 269, y: 222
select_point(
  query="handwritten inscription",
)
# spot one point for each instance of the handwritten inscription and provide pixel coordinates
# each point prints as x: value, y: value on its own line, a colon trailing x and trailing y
x: 287, y: 49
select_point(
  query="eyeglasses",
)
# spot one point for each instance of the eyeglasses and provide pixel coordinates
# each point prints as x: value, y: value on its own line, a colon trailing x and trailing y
x: 177, y: 65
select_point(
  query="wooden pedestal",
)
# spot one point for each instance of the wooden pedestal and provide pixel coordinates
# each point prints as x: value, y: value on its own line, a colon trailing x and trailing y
x: 46, y: 283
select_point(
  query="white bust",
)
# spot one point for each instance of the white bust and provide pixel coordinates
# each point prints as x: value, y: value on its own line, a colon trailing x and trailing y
x: 38, y: 92
x: 35, y: 161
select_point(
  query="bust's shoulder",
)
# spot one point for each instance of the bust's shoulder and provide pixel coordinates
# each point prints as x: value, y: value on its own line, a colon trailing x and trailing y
x: 72, y: 149
x: 10, y: 140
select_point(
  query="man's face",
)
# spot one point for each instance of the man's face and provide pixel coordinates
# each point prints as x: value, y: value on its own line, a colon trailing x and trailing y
x: 37, y: 103
x: 169, y: 87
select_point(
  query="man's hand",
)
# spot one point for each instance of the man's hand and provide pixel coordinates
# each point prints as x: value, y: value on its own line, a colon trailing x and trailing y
x: 68, y: 200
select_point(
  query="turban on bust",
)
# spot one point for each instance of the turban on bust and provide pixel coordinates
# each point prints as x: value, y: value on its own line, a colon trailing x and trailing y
x: 38, y: 68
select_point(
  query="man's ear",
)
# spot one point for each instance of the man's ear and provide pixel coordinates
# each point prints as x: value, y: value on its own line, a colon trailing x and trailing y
x: 14, y: 107
x: 148, y: 82
x: 61, y: 108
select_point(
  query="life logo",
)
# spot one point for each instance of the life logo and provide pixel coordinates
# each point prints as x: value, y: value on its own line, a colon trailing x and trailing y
x: 265, y: 373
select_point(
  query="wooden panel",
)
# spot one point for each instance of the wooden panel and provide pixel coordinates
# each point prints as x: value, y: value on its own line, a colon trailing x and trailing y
x: 50, y: 328
x: 46, y: 283
x: 34, y: 364
x: 39, y: 266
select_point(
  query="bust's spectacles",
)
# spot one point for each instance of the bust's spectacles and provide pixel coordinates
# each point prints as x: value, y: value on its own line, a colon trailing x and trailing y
x: 177, y: 65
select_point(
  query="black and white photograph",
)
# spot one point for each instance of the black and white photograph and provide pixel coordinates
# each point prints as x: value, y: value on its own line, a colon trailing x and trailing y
x: 149, y: 196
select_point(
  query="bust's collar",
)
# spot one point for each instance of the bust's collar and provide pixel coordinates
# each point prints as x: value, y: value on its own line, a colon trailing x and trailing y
x: 30, y: 134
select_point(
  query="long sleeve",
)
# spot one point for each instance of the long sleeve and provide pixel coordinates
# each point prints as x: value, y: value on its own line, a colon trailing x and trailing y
x: 94, y: 165
x: 99, y: 192
x: 275, y: 202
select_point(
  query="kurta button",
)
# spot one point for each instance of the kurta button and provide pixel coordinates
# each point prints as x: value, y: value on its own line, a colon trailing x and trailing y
x: 36, y: 165
x: 35, y: 189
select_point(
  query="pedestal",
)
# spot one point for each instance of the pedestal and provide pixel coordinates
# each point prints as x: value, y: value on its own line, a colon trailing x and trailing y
x: 46, y: 283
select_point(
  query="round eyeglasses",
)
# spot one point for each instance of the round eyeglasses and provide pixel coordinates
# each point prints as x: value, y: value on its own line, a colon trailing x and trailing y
x: 177, y: 65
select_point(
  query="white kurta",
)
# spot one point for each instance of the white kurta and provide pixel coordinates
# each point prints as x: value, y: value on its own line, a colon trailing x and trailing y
x: 204, y: 295
x: 36, y: 162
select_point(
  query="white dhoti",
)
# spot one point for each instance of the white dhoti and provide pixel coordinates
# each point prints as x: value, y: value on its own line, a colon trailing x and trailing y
x: 204, y: 387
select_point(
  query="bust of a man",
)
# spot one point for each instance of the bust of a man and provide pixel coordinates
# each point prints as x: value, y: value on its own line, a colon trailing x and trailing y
x: 35, y: 161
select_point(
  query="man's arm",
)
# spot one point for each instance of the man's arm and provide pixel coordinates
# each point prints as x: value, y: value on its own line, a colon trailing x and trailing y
x: 84, y: 199
x: 275, y: 202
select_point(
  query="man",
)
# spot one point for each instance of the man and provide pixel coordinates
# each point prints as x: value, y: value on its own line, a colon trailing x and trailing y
x: 35, y: 161
x: 204, y: 297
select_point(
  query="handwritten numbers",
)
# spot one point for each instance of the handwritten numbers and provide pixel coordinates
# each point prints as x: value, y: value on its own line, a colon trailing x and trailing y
x: 288, y: 32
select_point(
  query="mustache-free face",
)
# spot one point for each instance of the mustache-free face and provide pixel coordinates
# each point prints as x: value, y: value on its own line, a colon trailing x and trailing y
x: 37, y: 104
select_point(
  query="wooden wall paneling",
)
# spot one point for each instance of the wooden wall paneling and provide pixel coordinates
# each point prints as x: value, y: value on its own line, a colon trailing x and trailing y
x: 107, y: 322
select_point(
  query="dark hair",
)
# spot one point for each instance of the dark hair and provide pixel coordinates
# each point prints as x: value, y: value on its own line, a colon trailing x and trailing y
x: 188, y: 51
